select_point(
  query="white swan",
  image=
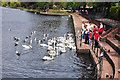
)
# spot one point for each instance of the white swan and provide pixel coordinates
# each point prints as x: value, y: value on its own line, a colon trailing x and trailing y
x: 43, y: 45
x: 31, y: 41
x: 53, y: 53
x: 48, y: 58
x: 63, y: 50
x: 70, y: 34
x: 39, y: 41
x: 50, y: 47
x: 35, y: 39
x: 27, y: 46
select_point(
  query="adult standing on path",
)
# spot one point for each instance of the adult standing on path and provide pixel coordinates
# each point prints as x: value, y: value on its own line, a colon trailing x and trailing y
x: 86, y: 35
x: 83, y: 30
x: 96, y: 37
x: 101, y: 29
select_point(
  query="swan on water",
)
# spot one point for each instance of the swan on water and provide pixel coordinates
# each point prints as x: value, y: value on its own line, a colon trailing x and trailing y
x: 43, y: 45
x: 39, y: 41
x: 62, y: 50
x: 48, y: 58
x: 50, y: 42
x: 31, y: 41
x: 53, y: 53
x: 27, y: 46
x: 50, y: 47
x: 35, y: 39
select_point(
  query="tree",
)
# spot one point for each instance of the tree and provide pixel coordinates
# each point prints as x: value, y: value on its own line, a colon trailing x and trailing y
x: 13, y: 5
x: 42, y: 5
x: 4, y: 4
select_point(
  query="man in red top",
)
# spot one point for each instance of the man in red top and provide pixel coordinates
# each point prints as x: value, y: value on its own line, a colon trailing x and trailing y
x: 96, y: 37
x: 86, y: 12
x: 95, y: 29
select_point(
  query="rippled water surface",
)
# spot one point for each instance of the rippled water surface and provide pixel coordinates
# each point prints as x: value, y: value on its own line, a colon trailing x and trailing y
x: 30, y: 64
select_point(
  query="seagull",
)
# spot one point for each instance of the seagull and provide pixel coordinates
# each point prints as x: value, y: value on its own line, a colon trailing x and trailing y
x: 16, y: 43
x: 25, y: 40
x: 107, y: 75
x: 111, y: 76
x: 17, y: 53
x: 119, y: 70
x: 89, y: 67
x: 101, y: 55
x: 27, y: 37
x: 16, y: 39
x: 9, y: 29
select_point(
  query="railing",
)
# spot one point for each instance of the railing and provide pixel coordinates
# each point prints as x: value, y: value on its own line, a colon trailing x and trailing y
x: 98, y: 52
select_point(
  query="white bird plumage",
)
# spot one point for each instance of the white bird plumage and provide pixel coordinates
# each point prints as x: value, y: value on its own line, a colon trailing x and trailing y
x: 48, y: 58
x: 27, y: 46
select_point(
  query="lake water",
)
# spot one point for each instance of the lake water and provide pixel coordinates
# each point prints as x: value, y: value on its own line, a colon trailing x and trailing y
x: 30, y: 64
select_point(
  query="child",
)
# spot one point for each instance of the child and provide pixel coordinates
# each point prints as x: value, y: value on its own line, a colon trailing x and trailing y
x: 90, y: 37
x: 96, y: 37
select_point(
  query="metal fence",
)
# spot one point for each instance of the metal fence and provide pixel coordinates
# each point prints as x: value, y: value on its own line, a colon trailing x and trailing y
x: 99, y: 52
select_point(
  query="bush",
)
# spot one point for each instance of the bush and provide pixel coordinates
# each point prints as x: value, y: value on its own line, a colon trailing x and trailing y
x: 13, y: 5
x: 115, y: 12
x: 4, y: 4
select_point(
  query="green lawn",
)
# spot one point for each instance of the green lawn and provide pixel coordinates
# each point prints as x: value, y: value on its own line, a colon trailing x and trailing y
x: 52, y: 12
x: 60, y: 12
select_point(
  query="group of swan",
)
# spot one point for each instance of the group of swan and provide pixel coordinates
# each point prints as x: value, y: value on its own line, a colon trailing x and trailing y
x: 54, y: 46
x: 28, y: 39
x: 60, y: 45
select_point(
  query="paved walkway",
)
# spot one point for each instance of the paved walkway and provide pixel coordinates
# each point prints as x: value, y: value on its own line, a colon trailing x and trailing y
x: 107, y: 68
x: 110, y: 22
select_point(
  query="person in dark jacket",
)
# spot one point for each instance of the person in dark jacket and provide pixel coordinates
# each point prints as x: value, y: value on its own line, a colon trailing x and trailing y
x: 86, y: 36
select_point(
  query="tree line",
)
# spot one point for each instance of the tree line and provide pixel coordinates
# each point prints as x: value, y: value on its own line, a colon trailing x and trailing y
x: 108, y: 9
